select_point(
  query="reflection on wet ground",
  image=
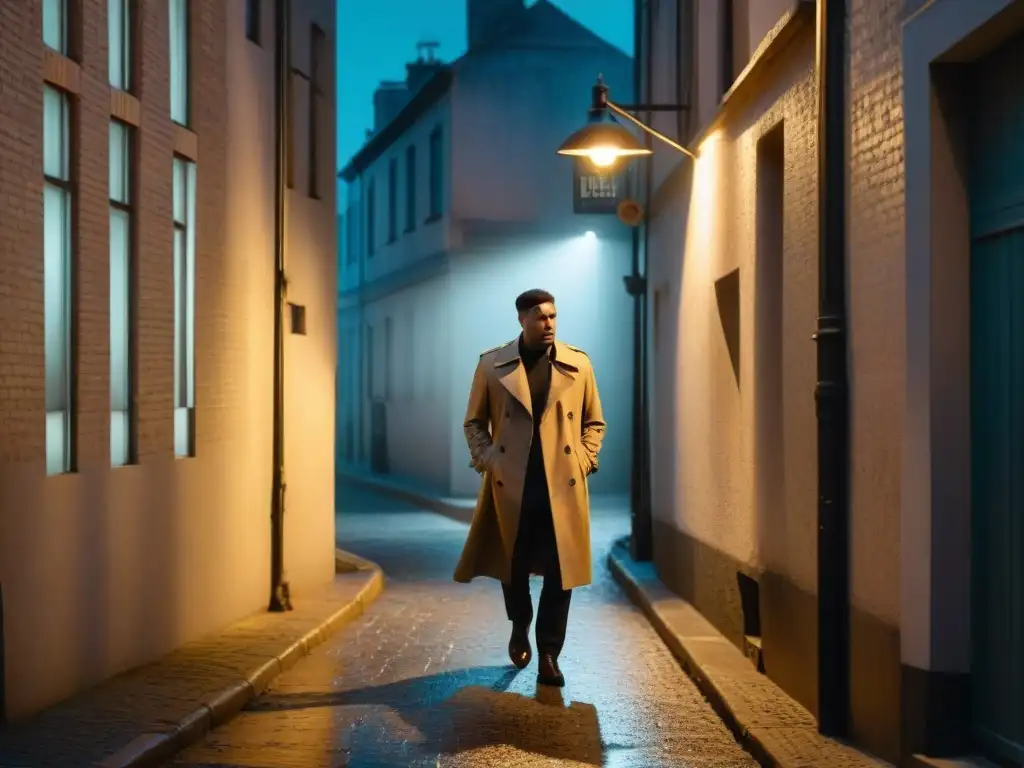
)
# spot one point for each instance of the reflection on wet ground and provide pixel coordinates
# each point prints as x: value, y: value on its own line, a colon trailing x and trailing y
x: 423, y: 678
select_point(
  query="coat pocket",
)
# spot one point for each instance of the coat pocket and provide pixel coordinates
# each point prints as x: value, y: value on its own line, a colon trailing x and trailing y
x: 582, y: 461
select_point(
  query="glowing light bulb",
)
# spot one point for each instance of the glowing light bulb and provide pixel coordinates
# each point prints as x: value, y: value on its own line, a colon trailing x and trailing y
x: 603, y: 157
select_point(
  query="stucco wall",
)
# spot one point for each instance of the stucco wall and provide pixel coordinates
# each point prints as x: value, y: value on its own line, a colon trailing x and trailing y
x: 412, y: 377
x: 101, y: 568
x: 429, y: 237
x: 703, y: 420
x: 513, y: 106
x: 875, y: 303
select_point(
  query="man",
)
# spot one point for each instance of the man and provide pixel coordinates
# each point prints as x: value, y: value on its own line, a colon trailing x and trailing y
x: 534, y: 429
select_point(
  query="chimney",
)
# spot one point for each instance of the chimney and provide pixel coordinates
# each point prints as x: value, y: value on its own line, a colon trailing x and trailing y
x: 486, y: 18
x: 418, y: 72
x: 388, y: 100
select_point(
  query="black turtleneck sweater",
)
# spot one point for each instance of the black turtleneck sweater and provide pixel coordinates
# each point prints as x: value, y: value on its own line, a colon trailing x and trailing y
x: 537, y: 364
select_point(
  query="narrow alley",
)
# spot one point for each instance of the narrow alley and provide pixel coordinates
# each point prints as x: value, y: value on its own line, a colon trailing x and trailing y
x: 423, y: 678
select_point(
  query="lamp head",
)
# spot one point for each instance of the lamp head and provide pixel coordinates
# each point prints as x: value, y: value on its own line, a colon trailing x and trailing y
x: 603, y: 140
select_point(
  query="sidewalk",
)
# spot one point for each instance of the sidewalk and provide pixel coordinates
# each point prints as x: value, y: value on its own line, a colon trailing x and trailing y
x: 146, y: 715
x: 457, y: 508
x: 774, y: 728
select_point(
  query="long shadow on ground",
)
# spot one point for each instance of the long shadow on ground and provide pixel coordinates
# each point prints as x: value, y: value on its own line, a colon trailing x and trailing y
x: 451, y: 712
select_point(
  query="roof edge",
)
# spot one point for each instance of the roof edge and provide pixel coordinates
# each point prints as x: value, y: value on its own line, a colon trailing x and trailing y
x: 431, y: 92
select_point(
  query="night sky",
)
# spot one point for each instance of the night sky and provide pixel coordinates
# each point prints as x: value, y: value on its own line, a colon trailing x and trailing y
x: 377, y: 37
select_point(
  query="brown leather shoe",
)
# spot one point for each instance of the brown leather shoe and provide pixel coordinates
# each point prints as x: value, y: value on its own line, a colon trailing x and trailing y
x: 519, y: 649
x: 548, y: 672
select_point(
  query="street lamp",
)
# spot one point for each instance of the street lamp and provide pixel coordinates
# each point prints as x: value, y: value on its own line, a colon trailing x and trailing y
x: 604, y: 141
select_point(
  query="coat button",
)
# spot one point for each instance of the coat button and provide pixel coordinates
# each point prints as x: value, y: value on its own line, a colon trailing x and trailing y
x: 507, y: 416
x: 572, y: 481
x: 500, y: 484
x: 568, y: 450
x: 502, y: 449
x: 569, y: 415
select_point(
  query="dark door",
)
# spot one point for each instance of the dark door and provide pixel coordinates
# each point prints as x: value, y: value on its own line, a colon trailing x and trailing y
x: 997, y: 398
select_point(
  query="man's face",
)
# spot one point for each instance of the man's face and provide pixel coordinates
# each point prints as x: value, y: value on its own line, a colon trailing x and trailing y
x: 539, y: 325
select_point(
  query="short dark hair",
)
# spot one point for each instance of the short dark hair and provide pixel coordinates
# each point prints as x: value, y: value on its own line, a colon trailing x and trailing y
x: 531, y: 298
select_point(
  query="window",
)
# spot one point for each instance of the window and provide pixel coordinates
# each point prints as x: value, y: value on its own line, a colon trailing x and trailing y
x: 392, y: 200
x: 253, y: 19
x: 55, y: 25
x: 121, y: 331
x: 350, y: 233
x: 371, y: 219
x: 57, y: 255
x: 317, y: 94
x: 119, y: 43
x: 179, y: 51
x: 370, y: 378
x: 184, y: 306
x: 436, y: 175
x: 389, y: 363
x: 410, y: 188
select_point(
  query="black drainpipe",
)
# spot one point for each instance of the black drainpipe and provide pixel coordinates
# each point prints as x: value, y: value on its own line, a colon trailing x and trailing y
x: 831, y: 393
x: 280, y: 595
x: 641, y: 533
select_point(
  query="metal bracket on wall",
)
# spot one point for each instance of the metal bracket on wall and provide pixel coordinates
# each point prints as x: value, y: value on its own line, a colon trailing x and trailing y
x: 635, y: 285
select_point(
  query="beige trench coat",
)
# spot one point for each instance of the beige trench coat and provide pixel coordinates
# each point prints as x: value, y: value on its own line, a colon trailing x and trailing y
x: 499, y: 430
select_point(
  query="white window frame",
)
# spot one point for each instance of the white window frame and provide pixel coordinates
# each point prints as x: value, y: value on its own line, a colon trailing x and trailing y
x: 58, y: 202
x: 184, y: 194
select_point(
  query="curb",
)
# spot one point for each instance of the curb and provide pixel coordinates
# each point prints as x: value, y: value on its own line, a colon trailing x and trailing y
x: 420, y: 499
x: 757, y: 738
x: 152, y: 749
x: 632, y: 588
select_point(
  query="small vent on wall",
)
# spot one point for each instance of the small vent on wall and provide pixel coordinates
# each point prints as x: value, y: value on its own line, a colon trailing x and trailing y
x: 297, y: 316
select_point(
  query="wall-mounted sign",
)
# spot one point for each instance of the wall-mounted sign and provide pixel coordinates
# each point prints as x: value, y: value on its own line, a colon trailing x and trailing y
x: 596, y: 192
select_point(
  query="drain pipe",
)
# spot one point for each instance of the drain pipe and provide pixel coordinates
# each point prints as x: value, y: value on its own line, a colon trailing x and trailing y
x: 831, y: 393
x: 280, y: 595
x: 640, y: 540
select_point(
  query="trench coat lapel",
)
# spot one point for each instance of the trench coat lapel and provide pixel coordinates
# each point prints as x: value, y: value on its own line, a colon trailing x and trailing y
x: 563, y: 374
x: 512, y: 375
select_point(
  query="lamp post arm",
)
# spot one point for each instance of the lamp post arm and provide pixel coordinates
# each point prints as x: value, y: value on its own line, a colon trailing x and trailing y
x: 620, y: 111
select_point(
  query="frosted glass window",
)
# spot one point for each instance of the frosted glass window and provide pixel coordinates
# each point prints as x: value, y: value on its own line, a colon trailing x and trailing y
x: 57, y: 280
x: 120, y: 294
x: 179, y: 51
x: 56, y: 127
x: 119, y: 43
x: 120, y: 162
x: 184, y: 180
x: 55, y: 25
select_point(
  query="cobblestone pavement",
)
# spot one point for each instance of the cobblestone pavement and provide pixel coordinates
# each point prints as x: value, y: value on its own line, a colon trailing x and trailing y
x: 423, y: 678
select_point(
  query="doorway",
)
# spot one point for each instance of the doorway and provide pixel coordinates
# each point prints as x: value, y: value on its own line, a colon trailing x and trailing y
x: 996, y: 177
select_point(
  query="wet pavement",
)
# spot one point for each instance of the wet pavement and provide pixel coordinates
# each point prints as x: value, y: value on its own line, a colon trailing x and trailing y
x: 423, y: 678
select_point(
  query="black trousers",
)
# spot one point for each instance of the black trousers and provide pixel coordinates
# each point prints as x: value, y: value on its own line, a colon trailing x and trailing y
x: 537, y: 549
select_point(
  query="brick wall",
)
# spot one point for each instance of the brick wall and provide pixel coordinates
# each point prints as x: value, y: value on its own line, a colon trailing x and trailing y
x: 100, y: 566
x: 876, y: 322
x: 21, y: 235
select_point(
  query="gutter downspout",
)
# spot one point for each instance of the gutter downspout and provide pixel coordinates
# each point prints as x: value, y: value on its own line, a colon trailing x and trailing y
x: 831, y: 393
x: 280, y: 594
x: 642, y: 534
